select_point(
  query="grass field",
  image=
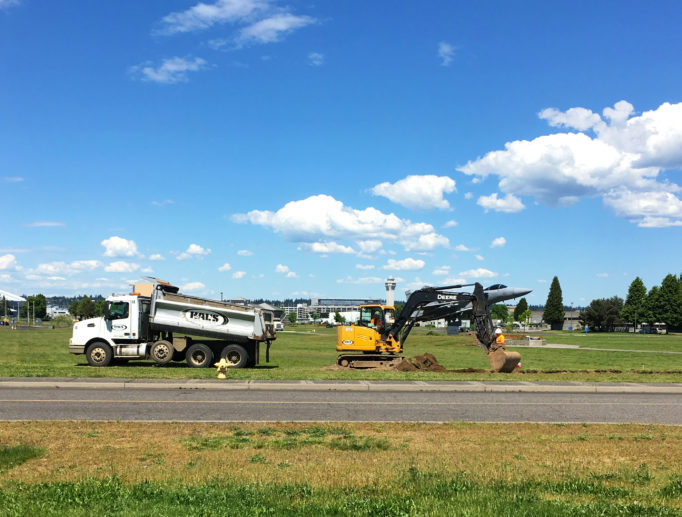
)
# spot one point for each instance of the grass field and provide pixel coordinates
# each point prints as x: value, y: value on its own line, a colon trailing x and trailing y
x: 79, y: 468
x: 304, y: 354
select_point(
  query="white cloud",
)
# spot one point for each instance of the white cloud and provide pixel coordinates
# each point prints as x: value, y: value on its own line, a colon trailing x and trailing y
x: 442, y: 271
x: 45, y: 224
x: 509, y: 204
x: 315, y: 59
x: 156, y: 256
x: 327, y: 247
x: 225, y: 267
x: 238, y: 274
x: 193, y: 286
x: 622, y: 161
x: 270, y: 30
x: 364, y: 266
x: 8, y: 262
x: 418, y: 192
x: 121, y: 266
x: 360, y: 281
x: 170, y: 71
x: 119, y: 247
x: 498, y: 242
x: 244, y: 253
x: 202, y: 16
x: 194, y: 250
x: 478, y: 273
x: 408, y: 264
x: 281, y: 268
x: 446, y: 53
x: 450, y: 224
x: 321, y: 217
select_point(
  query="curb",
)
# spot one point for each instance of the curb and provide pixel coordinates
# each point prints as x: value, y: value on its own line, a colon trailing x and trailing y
x: 374, y: 386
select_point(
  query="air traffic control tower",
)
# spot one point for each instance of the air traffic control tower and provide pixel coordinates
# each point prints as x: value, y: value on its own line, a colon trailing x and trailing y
x: 390, y: 290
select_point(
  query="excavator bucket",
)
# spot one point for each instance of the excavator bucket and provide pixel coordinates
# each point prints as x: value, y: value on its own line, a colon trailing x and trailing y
x: 503, y: 361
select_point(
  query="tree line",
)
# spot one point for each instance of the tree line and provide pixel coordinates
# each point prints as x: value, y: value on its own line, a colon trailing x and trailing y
x: 660, y: 304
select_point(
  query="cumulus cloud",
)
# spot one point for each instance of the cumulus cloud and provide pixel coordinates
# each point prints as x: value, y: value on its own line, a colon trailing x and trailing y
x: 119, y: 247
x: 620, y: 161
x: 171, y: 70
x: 193, y: 286
x: 446, y: 52
x: 320, y: 218
x: 509, y: 204
x: 121, y: 266
x: 418, y: 192
x: 327, y: 247
x: 8, y: 262
x: 498, y: 242
x: 194, y: 250
x: 478, y: 273
x: 225, y: 267
x: 408, y: 264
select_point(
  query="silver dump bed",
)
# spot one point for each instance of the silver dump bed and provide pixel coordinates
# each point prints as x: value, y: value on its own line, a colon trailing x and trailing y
x: 177, y: 312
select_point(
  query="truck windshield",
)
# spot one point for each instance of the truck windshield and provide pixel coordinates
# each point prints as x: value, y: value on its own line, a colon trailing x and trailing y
x: 118, y: 310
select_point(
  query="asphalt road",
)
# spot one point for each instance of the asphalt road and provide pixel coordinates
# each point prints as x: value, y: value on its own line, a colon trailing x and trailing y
x: 282, y: 404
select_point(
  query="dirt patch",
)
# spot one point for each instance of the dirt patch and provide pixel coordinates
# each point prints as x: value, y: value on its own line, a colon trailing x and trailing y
x: 424, y: 363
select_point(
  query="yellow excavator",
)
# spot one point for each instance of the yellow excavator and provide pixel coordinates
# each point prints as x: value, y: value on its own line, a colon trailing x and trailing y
x: 377, y: 339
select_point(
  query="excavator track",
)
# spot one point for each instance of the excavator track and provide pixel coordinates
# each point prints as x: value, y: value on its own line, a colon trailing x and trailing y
x: 366, y: 361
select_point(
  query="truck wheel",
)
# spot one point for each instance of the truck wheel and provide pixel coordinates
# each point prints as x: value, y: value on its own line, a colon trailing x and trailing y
x: 161, y: 352
x: 199, y: 356
x: 99, y: 354
x: 235, y: 354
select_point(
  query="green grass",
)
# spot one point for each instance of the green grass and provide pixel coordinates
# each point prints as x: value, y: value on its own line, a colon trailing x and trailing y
x: 415, y: 493
x: 12, y: 456
x: 44, y: 353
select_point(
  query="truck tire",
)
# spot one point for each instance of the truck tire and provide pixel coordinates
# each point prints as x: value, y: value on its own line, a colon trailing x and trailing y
x: 199, y: 356
x: 99, y: 354
x: 161, y: 352
x: 235, y: 354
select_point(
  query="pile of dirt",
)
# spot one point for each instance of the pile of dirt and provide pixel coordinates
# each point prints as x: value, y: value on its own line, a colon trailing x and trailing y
x: 424, y: 363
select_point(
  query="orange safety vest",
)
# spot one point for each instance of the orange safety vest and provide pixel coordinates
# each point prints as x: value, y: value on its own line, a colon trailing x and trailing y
x: 500, y: 339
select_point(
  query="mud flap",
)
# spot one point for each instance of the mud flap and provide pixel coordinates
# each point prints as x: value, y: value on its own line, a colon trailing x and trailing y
x: 503, y: 361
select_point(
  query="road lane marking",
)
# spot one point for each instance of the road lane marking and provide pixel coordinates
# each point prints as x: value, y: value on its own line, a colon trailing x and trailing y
x: 336, y: 402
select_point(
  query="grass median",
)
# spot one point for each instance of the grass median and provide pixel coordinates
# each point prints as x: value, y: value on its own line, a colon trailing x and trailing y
x: 81, y: 468
x: 307, y: 353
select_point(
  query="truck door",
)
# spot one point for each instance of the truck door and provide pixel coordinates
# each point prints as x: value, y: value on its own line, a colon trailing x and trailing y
x: 118, y: 320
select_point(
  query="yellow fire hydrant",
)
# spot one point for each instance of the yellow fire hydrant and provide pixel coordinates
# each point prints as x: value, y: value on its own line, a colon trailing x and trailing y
x: 222, y: 366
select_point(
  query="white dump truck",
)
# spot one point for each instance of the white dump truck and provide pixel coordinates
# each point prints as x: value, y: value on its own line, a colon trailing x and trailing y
x: 157, y: 322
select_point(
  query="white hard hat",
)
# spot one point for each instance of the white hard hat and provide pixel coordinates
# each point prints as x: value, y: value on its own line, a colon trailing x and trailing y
x: 498, y: 331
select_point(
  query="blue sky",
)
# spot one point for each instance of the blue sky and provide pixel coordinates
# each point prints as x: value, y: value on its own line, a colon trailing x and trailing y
x: 266, y: 149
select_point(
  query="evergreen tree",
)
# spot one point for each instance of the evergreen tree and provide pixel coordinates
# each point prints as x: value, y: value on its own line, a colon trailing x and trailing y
x: 670, y: 302
x: 521, y: 307
x: 633, y: 310
x: 554, y: 306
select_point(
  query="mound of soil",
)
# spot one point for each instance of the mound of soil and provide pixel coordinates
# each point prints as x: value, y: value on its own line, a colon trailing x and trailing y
x: 424, y: 363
